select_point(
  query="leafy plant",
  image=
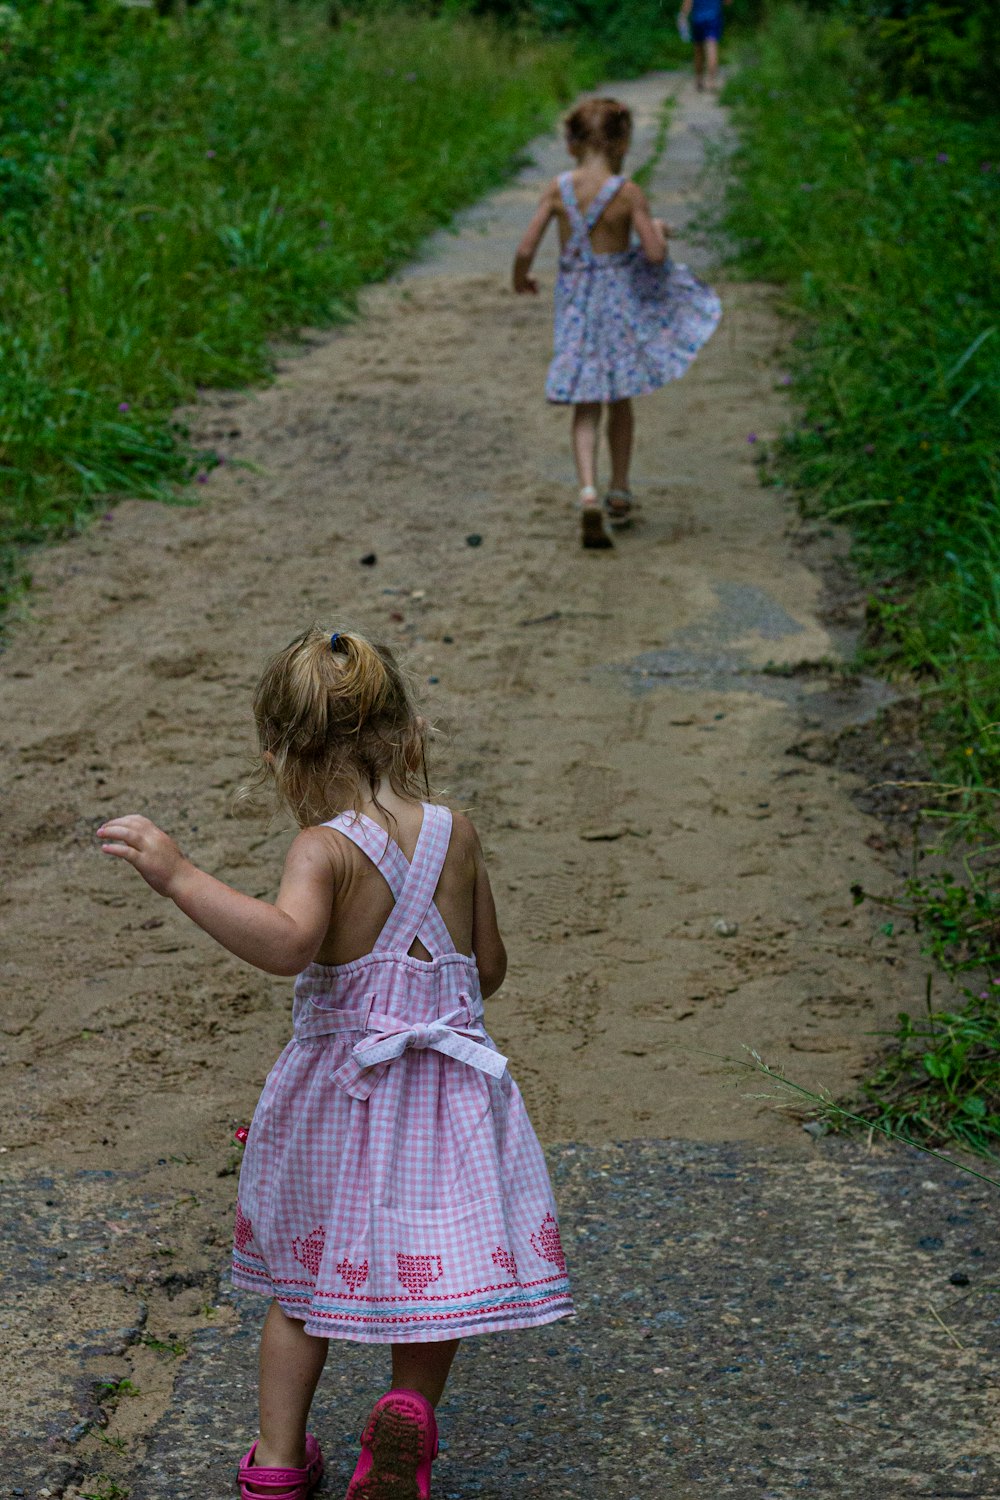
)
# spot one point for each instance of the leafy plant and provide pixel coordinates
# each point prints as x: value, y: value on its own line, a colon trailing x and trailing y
x: 114, y: 1390
x: 940, y: 1080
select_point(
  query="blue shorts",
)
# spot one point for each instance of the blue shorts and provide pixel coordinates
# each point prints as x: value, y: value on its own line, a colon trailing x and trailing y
x: 708, y: 30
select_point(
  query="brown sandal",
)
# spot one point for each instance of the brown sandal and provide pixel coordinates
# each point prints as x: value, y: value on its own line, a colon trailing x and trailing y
x: 593, y: 534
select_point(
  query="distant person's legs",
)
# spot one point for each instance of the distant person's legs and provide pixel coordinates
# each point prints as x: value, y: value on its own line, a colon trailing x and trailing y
x: 711, y: 61
x: 706, y: 34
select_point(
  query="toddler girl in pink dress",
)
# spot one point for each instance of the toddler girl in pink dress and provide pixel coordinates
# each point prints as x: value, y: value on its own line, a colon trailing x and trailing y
x: 393, y: 1190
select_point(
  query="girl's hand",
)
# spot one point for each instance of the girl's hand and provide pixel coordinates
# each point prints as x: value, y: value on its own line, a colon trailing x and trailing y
x: 151, y: 851
x: 523, y: 283
x: 663, y: 227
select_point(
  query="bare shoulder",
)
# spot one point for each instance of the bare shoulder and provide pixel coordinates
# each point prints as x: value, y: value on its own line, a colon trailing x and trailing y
x: 463, y: 834
x: 319, y: 846
x: 631, y: 193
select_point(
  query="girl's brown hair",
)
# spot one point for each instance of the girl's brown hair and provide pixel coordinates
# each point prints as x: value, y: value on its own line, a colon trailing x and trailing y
x: 601, y: 124
x: 334, y: 715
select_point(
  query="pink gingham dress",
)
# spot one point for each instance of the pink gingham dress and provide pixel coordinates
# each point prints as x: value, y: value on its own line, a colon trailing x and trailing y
x: 393, y: 1190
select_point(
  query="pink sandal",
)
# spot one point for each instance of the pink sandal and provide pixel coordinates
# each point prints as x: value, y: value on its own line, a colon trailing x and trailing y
x: 398, y: 1446
x: 281, y: 1484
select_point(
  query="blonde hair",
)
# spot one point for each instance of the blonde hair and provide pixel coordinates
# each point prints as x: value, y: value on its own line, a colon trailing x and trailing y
x: 334, y: 715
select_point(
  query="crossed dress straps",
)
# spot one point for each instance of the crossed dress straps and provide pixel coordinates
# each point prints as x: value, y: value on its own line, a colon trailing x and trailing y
x: 414, y: 917
x: 581, y: 224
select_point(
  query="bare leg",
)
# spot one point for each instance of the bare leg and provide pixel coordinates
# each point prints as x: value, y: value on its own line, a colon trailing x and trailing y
x: 699, y: 64
x: 423, y: 1367
x: 291, y: 1362
x: 712, y: 59
x: 586, y: 425
x: 620, y: 429
x: 586, y: 428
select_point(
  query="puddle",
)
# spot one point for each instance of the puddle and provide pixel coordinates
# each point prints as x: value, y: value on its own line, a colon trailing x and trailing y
x: 702, y: 657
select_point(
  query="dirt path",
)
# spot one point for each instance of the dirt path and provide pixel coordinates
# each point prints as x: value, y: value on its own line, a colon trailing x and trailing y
x: 673, y: 884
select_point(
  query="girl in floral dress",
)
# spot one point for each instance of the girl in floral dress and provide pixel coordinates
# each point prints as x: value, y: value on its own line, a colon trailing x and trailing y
x: 393, y: 1190
x: 627, y: 318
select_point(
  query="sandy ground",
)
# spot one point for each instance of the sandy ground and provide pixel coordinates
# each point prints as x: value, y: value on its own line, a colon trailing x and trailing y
x: 674, y: 885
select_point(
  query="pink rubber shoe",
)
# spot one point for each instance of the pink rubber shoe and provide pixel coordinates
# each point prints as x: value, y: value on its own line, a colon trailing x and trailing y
x: 281, y: 1484
x: 398, y: 1446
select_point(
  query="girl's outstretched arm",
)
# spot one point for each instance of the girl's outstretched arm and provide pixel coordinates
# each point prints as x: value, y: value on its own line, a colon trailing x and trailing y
x: 652, y: 232
x: 280, y: 939
x: 528, y: 248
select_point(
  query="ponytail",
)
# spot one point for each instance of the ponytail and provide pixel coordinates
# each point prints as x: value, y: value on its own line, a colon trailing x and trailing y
x: 335, y: 715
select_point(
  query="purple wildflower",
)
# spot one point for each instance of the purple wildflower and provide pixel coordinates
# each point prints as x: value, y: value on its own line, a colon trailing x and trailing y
x: 942, y: 157
x: 210, y: 154
x: 201, y: 478
x: 784, y: 379
x: 124, y: 405
x: 751, y: 437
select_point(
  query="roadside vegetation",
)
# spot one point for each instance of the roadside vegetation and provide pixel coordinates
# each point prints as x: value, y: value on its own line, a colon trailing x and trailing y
x: 868, y: 186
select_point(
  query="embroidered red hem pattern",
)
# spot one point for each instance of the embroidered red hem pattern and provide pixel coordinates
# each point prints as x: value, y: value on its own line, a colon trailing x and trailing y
x: 477, y: 1291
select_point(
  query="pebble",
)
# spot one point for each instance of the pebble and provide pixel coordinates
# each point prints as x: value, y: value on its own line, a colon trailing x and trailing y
x: 369, y: 560
x: 958, y: 1278
x: 722, y: 927
x: 474, y: 539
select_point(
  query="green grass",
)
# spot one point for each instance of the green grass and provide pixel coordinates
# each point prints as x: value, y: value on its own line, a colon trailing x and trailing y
x: 879, y: 216
x: 876, y: 211
x: 174, y: 191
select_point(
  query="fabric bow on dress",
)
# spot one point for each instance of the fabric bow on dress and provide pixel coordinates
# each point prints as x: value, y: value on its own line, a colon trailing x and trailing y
x: 449, y: 1034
